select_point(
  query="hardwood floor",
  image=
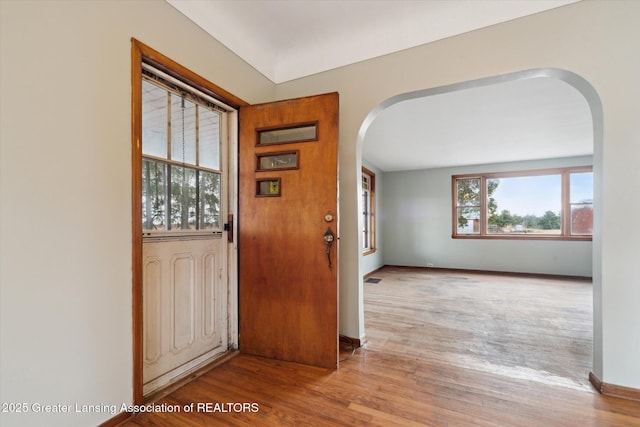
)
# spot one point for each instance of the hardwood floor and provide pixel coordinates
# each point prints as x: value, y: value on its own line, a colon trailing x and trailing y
x: 538, y: 329
x: 443, y: 349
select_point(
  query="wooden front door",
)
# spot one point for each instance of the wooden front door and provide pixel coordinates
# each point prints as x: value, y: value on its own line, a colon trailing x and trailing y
x: 288, y: 209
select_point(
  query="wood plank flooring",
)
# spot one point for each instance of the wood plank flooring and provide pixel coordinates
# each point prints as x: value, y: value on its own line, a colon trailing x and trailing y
x: 530, y: 328
x: 443, y: 349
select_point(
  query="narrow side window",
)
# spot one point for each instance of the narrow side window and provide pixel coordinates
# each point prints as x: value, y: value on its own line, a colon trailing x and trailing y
x: 368, y: 211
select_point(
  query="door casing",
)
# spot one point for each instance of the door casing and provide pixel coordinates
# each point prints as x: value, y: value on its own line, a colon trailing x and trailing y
x: 142, y: 53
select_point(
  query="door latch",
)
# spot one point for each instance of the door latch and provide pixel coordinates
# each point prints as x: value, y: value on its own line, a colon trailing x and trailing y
x: 329, y: 239
x: 228, y: 227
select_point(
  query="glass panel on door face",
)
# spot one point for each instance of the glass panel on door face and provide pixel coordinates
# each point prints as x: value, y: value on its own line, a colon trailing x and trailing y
x: 290, y: 134
x: 268, y: 187
x: 181, y: 177
x: 193, y: 206
x: 278, y: 161
x: 209, y: 139
x: 183, y: 130
x: 154, y: 190
x: 154, y: 113
x: 209, y: 200
x: 183, y: 198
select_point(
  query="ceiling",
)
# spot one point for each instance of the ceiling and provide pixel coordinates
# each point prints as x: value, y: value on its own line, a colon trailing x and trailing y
x: 536, y: 118
x: 290, y: 39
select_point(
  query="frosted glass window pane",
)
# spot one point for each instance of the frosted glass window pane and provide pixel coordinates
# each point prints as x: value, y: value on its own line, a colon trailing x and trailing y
x: 209, y: 142
x: 582, y: 220
x: 278, y: 161
x: 154, y: 120
x: 280, y: 136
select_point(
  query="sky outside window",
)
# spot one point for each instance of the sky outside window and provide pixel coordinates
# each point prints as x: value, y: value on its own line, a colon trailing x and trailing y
x: 581, y: 187
x: 529, y: 195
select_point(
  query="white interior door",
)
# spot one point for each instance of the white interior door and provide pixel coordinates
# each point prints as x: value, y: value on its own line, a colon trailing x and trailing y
x: 185, y: 197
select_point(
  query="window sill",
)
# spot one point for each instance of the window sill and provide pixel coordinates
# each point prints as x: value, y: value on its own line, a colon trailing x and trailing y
x: 368, y: 252
x: 522, y: 237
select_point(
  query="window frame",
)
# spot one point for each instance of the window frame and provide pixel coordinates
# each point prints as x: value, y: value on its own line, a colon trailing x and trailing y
x: 565, y: 213
x: 369, y: 213
x: 156, y: 77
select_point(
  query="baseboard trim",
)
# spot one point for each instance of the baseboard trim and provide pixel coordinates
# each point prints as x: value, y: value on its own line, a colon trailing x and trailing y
x: 613, y: 389
x: 496, y: 273
x: 356, y: 342
x: 372, y: 273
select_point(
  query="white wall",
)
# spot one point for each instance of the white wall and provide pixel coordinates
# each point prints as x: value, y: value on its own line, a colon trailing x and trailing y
x: 417, y: 227
x: 597, y: 40
x: 374, y: 261
x: 65, y: 234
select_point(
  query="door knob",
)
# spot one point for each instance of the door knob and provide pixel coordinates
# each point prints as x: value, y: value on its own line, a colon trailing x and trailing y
x: 329, y: 238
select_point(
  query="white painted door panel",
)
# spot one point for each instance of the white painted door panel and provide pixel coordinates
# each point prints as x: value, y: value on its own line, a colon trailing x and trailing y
x: 184, y: 294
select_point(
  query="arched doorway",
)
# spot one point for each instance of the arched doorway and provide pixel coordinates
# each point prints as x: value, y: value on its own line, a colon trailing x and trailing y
x: 560, y: 78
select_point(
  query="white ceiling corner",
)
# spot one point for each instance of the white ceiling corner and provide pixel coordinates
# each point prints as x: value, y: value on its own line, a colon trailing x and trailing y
x: 289, y: 39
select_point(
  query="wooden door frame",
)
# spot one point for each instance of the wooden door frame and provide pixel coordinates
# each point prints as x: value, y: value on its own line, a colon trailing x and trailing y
x: 141, y: 53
